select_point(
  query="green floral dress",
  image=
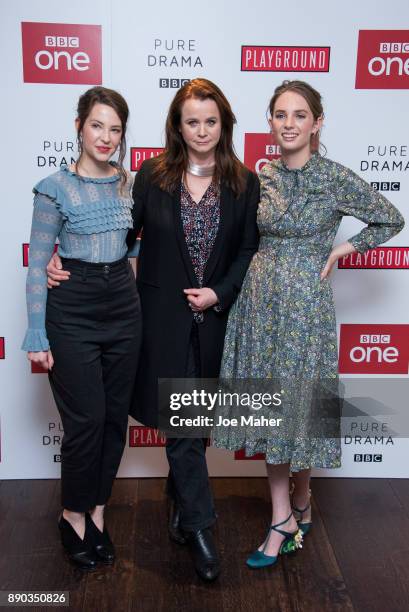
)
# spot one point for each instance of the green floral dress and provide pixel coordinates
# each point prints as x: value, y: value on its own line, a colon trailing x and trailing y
x: 282, y: 325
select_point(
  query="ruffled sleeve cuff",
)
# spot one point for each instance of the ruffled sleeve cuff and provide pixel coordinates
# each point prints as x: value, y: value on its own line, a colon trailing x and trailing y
x: 35, y: 340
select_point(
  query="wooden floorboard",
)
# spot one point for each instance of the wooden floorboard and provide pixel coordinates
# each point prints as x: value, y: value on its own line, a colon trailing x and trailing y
x: 31, y: 557
x: 355, y: 559
x: 368, y: 529
x: 292, y: 583
x: 400, y: 487
x: 26, y: 507
x: 111, y: 588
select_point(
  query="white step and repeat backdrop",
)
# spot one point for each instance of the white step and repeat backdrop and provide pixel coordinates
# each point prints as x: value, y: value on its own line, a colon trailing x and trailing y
x: 356, y: 54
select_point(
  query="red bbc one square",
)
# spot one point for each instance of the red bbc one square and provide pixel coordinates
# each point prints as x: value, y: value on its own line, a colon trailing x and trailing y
x: 259, y: 149
x: 374, y: 349
x: 2, y: 349
x: 62, y: 53
x: 240, y: 455
x: 382, y: 59
x: 37, y: 369
x: 26, y: 252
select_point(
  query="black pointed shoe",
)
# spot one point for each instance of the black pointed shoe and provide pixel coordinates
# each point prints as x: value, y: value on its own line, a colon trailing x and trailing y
x: 204, y: 553
x: 102, y: 543
x: 174, y: 530
x: 80, y: 552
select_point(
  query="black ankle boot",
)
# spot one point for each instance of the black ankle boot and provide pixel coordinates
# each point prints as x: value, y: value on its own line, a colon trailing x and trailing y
x: 101, y: 541
x: 175, y: 533
x: 204, y: 553
x: 80, y: 552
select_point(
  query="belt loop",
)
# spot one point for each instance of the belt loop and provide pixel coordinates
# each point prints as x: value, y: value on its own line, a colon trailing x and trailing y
x: 84, y: 273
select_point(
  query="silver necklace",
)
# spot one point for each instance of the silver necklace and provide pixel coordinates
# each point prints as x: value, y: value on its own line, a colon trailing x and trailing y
x: 198, y: 170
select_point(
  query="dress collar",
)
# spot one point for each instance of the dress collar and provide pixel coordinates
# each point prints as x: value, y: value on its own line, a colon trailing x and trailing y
x: 308, y: 164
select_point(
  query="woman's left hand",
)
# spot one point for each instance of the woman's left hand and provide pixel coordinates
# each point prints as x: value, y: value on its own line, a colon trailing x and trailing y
x: 346, y: 248
x: 201, y: 299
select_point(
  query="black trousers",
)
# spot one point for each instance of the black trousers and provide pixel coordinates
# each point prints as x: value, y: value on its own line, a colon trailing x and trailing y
x: 188, y: 480
x: 93, y: 323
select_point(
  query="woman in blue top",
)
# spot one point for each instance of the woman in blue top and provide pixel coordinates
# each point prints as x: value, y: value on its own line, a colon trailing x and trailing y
x: 87, y: 331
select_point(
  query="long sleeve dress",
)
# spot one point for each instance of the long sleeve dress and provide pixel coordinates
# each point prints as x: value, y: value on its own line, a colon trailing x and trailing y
x: 282, y: 325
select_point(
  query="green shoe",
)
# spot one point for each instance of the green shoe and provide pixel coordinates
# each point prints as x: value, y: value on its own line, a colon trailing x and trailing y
x: 304, y: 527
x: 292, y: 541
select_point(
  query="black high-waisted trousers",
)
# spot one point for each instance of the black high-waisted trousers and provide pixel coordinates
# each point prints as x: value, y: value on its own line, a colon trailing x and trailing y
x: 93, y: 323
x: 188, y: 480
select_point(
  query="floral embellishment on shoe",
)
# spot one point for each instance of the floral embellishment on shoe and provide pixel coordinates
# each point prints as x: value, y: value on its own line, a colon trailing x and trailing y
x: 288, y: 547
x: 298, y: 539
x: 293, y: 543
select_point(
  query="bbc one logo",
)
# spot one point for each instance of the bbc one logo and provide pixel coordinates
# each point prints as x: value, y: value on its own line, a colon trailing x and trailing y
x: 256, y: 58
x: 2, y: 348
x: 383, y: 59
x: 374, y: 349
x: 259, y: 149
x: 61, y: 53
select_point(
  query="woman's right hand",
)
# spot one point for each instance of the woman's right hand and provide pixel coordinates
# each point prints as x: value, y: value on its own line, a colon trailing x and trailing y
x: 42, y: 358
x: 55, y: 273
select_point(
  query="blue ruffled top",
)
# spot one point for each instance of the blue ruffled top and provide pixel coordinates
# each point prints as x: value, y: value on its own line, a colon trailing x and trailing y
x: 90, y: 217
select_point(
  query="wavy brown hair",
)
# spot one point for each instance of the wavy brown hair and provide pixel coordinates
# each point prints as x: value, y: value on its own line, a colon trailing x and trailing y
x: 110, y: 97
x: 172, y: 163
x: 310, y: 95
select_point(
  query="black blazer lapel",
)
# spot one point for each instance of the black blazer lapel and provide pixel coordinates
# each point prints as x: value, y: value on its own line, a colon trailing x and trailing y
x: 180, y: 236
x: 225, y: 210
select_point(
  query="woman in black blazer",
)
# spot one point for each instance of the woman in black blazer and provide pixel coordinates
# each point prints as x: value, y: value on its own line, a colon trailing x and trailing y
x: 195, y: 249
x: 165, y: 269
x: 196, y: 205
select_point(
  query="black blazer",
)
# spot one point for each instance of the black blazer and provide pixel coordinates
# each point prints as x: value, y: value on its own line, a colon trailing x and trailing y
x: 165, y: 269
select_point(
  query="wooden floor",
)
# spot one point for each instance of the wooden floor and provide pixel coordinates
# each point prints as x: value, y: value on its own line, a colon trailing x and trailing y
x: 356, y: 557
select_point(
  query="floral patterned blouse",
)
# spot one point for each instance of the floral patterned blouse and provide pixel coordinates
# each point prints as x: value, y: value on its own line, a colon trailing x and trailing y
x: 200, y: 224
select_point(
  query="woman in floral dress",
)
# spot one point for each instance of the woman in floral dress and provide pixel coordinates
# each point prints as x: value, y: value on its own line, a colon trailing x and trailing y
x: 282, y: 326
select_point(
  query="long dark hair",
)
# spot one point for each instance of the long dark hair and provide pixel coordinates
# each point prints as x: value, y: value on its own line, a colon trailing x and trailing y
x: 110, y: 97
x: 172, y: 163
x: 310, y: 95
